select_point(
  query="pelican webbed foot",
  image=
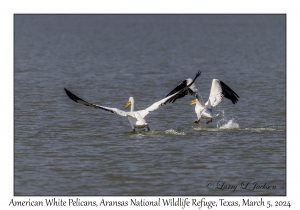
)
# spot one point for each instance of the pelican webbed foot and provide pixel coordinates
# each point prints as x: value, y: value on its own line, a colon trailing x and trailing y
x: 209, y: 121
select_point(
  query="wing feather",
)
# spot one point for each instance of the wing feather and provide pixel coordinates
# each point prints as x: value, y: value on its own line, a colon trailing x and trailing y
x: 229, y: 93
x: 179, y: 87
x: 192, y: 90
x: 169, y: 98
x: 81, y: 101
x: 219, y: 90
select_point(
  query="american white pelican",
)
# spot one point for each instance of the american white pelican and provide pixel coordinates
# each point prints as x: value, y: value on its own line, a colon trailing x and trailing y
x: 204, y: 110
x: 136, y: 118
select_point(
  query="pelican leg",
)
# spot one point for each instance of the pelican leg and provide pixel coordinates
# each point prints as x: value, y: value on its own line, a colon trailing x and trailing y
x: 197, y: 121
x: 133, y: 130
x: 209, y: 121
x: 148, y: 127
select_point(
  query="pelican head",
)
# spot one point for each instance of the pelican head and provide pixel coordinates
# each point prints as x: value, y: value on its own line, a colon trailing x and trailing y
x: 193, y: 102
x: 130, y: 101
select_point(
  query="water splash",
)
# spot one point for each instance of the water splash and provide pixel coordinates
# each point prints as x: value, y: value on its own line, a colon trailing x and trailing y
x: 230, y: 125
x: 157, y: 132
x: 224, y: 123
x: 174, y: 132
x: 205, y: 128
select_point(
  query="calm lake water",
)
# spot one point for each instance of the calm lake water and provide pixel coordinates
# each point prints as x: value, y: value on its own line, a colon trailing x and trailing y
x: 65, y: 148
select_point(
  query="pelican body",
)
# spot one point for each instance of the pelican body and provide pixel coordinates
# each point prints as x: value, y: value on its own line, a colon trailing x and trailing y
x: 136, y: 119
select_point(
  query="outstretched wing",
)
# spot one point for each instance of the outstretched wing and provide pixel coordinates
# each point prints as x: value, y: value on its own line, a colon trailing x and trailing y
x: 169, y: 98
x: 81, y: 101
x: 219, y: 90
x: 192, y: 90
x: 182, y: 91
x: 179, y: 87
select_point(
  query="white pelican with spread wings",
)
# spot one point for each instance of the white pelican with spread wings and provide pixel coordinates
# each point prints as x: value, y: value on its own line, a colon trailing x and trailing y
x: 136, y: 118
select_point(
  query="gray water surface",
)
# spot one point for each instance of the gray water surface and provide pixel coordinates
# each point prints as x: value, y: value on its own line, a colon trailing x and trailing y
x: 65, y: 148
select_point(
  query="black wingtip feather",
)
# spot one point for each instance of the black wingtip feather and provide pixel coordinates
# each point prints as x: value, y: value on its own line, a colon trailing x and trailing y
x: 72, y: 96
x: 229, y: 93
x: 181, y: 86
x: 76, y: 99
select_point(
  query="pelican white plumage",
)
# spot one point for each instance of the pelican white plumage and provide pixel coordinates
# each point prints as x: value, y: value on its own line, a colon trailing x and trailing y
x: 136, y: 118
x: 204, y: 110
